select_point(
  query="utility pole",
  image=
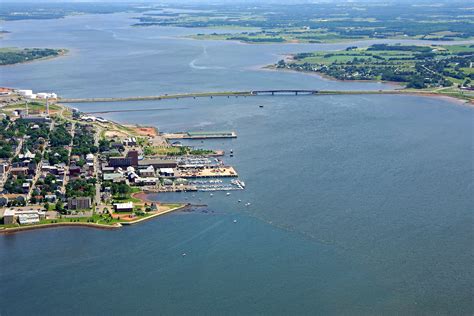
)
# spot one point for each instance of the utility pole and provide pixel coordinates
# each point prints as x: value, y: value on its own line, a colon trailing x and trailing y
x: 47, y: 106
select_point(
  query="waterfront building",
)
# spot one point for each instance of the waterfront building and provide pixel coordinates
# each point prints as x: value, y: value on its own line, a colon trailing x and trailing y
x: 166, y: 172
x: 147, y: 172
x: 123, y: 207
x: 79, y: 203
x: 158, y: 163
x: 9, y: 216
x: 28, y: 217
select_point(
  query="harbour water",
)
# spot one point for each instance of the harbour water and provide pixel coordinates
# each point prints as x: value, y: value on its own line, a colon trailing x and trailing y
x: 359, y: 204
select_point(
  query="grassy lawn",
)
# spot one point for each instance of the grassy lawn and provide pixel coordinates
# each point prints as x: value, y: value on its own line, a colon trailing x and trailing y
x: 32, y: 107
x: 175, y: 151
x: 162, y: 151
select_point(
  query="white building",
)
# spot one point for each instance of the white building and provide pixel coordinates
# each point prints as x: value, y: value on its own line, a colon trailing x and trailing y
x: 167, y: 172
x: 46, y: 95
x: 123, y: 207
x: 27, y: 94
x: 24, y: 217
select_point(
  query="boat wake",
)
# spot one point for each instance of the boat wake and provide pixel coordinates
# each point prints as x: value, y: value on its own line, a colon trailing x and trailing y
x: 203, y: 55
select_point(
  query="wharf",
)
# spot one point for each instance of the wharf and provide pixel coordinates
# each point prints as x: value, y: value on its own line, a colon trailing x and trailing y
x: 200, y: 135
x: 219, y: 172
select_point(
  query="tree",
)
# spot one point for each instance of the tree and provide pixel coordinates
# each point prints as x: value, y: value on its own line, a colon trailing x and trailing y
x: 59, y: 206
x: 123, y: 190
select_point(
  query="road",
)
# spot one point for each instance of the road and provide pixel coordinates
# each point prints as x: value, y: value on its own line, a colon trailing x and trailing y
x: 6, y: 174
x: 97, y: 166
x: 66, y: 170
x: 38, y: 168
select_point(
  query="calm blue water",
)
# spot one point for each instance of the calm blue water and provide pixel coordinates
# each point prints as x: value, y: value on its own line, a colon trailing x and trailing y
x: 360, y: 204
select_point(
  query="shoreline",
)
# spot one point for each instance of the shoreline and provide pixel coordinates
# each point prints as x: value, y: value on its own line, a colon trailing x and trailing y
x: 11, y: 230
x: 323, y: 42
x: 54, y: 225
x: 399, y: 90
x: 327, y: 77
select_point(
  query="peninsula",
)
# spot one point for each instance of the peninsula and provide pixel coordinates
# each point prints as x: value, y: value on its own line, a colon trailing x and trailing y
x: 61, y: 167
x: 13, y: 55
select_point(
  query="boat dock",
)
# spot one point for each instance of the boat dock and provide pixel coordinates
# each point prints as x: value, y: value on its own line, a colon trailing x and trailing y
x: 199, y: 185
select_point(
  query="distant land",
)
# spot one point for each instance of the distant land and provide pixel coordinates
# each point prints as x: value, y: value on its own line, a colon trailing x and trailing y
x: 272, y: 22
x: 416, y: 66
x: 13, y: 55
x: 324, y: 22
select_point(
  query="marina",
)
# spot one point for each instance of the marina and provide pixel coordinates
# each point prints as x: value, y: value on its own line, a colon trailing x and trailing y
x: 198, y: 186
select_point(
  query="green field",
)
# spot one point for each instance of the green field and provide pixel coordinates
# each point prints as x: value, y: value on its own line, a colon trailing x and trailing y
x: 417, y: 66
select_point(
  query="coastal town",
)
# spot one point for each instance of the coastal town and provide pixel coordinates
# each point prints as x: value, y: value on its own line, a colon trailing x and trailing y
x: 59, y: 166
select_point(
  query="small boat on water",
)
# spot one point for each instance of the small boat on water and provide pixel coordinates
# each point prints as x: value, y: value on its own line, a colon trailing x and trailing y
x: 239, y: 201
x: 227, y: 193
x: 235, y: 221
x: 260, y: 106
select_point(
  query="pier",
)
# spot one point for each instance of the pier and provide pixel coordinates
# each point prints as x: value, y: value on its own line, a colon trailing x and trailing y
x: 200, y: 135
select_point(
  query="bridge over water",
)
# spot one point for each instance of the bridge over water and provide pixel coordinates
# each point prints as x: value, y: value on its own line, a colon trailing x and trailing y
x: 236, y: 94
x: 192, y: 95
x: 283, y: 92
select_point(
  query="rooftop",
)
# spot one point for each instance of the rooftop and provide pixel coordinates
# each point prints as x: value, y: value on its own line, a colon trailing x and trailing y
x: 121, y: 206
